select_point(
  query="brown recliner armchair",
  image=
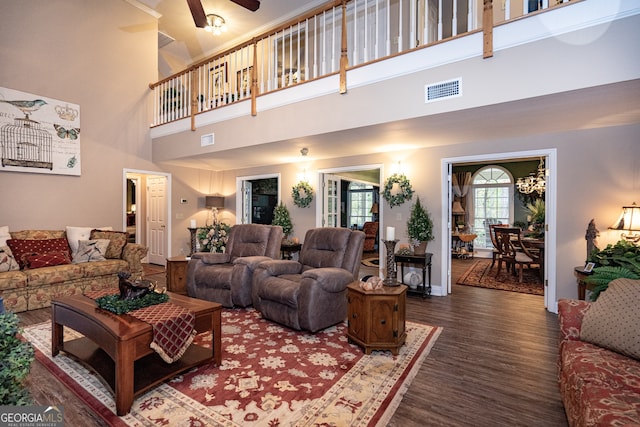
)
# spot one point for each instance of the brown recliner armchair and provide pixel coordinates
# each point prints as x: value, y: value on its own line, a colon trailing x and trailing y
x: 310, y: 293
x: 370, y: 229
x: 226, y: 277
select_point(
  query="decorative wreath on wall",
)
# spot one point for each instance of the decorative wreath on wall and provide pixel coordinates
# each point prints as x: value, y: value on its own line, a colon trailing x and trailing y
x: 405, y: 191
x: 302, y: 194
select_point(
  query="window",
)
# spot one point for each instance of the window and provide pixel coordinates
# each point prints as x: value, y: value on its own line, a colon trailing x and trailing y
x: 492, y: 195
x: 360, y: 200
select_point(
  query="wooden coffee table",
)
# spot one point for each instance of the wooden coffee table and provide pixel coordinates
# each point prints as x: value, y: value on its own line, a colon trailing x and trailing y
x: 118, y: 348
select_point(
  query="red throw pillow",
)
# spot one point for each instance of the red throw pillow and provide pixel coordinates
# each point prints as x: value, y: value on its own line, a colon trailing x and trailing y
x: 21, y: 247
x: 47, y: 260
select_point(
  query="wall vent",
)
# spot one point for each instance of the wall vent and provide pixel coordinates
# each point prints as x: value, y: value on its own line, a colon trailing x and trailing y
x: 164, y: 39
x: 443, y: 90
x: 208, y: 139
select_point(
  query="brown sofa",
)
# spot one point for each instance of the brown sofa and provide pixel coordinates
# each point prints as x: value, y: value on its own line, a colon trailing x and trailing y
x: 33, y: 288
x: 599, y: 366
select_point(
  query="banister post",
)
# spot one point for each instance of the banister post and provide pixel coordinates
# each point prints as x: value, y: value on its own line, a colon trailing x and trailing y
x: 344, y: 59
x: 487, y: 29
x: 254, y: 79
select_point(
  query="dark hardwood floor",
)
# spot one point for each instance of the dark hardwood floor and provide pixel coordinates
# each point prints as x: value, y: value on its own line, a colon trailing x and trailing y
x: 493, y: 365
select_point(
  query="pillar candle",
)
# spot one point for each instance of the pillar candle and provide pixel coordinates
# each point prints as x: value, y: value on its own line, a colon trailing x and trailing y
x: 391, y: 233
x: 193, y: 223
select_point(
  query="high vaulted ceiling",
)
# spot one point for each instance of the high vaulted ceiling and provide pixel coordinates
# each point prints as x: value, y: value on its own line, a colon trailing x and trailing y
x: 617, y: 103
x: 193, y: 44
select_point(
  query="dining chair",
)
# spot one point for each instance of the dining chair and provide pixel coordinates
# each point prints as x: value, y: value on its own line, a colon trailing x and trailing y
x: 513, y: 252
x: 496, y: 252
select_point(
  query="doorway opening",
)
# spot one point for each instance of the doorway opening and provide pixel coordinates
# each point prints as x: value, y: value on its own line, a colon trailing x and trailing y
x: 147, y: 211
x: 351, y: 199
x: 513, y: 212
x: 259, y: 195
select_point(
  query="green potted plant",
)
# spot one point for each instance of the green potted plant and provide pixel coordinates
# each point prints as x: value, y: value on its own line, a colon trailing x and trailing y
x: 15, y: 360
x: 536, y: 211
x: 419, y: 228
x: 282, y: 218
x: 621, y: 260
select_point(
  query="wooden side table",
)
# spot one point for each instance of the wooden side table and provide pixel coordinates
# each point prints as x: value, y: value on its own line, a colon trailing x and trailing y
x: 177, y: 274
x: 287, y: 251
x: 425, y: 262
x: 582, y: 285
x: 376, y: 319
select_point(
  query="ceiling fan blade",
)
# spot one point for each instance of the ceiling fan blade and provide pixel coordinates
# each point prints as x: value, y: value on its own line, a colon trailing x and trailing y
x: 197, y: 11
x: 252, y: 5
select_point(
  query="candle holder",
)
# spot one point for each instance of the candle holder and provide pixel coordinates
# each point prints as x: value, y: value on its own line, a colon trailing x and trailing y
x: 193, y: 232
x: 390, y: 278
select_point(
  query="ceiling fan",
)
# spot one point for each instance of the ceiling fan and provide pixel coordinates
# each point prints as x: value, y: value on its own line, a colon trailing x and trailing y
x: 200, y: 17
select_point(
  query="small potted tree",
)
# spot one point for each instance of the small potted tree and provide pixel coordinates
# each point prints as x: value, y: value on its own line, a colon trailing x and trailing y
x: 419, y: 228
x: 282, y: 218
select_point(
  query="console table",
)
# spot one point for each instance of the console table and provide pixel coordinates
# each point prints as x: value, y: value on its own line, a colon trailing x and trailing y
x: 425, y: 262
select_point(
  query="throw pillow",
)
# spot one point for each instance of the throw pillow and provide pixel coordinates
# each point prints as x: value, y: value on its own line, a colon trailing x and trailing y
x: 117, y: 241
x: 22, y: 247
x: 75, y: 234
x: 7, y: 261
x: 4, y: 235
x: 612, y: 320
x: 91, y: 251
x: 48, y: 259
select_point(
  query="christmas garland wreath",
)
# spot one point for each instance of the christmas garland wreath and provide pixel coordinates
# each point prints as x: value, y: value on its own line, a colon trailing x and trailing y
x: 300, y: 200
x: 405, y: 193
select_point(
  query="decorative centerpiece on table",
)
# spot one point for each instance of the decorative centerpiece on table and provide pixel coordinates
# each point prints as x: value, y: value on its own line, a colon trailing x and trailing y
x: 419, y: 228
x: 282, y: 218
x: 213, y: 238
x: 536, y: 213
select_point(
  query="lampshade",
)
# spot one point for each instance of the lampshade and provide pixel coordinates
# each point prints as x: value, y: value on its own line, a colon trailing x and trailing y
x: 374, y: 208
x: 214, y: 202
x: 629, y: 220
x: 457, y: 208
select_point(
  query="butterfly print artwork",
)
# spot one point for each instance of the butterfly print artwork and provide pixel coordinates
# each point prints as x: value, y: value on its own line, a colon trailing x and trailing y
x: 67, y: 133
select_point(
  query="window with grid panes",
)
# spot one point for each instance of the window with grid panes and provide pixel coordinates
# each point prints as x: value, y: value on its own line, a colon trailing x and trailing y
x: 492, y: 188
x: 360, y: 200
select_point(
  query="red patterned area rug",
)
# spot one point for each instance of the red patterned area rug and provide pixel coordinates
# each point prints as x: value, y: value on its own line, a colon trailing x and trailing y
x: 481, y: 275
x: 270, y: 376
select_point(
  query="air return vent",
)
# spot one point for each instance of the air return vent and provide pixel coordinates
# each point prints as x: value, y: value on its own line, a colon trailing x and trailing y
x: 164, y: 39
x: 443, y: 90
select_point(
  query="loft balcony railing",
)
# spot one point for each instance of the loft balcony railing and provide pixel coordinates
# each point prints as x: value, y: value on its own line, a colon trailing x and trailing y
x: 329, y: 40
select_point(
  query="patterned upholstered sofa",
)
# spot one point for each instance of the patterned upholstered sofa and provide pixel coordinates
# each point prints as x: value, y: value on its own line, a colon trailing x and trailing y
x: 50, y: 264
x: 599, y: 363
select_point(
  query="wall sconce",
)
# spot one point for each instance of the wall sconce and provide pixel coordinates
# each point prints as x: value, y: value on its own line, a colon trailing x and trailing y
x: 457, y: 209
x: 629, y: 220
x: 374, y: 208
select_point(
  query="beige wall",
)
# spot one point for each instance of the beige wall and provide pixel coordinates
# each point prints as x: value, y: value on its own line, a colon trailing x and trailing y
x: 598, y: 172
x: 100, y: 55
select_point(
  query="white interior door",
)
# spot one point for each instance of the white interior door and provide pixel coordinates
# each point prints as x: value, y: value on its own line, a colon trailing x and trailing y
x: 331, y: 201
x: 157, y: 219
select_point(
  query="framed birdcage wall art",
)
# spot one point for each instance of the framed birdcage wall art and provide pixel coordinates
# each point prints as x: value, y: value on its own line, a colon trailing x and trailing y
x: 38, y: 134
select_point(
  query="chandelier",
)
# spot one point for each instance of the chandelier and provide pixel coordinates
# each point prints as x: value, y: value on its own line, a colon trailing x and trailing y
x: 534, y: 182
x: 215, y: 24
